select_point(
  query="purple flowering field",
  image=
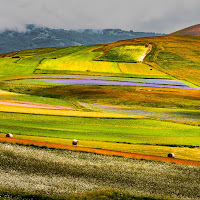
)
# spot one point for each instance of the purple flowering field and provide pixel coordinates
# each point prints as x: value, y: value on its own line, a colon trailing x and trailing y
x: 107, y: 78
x: 160, y: 83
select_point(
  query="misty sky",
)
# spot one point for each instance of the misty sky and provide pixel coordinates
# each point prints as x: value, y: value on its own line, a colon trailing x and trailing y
x: 162, y: 16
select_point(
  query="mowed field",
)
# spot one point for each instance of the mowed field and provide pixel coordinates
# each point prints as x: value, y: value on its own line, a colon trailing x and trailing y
x: 137, y: 96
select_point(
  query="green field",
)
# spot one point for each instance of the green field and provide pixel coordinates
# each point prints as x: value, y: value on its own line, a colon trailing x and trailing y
x: 171, y: 55
x: 125, y: 54
x: 113, y: 130
x: 156, y: 108
x: 147, y: 119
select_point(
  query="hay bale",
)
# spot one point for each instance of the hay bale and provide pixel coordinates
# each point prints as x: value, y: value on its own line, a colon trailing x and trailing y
x: 75, y: 142
x: 9, y: 135
x: 171, y: 155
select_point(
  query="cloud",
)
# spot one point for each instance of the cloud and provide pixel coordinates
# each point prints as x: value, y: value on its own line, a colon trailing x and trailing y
x: 138, y: 15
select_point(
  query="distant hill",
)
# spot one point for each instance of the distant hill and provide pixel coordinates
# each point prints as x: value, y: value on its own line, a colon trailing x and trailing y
x: 170, y: 55
x: 192, y: 30
x: 40, y: 37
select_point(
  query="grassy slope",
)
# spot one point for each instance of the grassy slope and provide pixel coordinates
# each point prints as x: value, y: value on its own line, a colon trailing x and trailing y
x: 105, y: 129
x: 76, y: 59
x: 177, y: 56
x: 80, y: 61
x: 40, y: 172
x: 161, y: 54
x: 112, y: 130
x: 149, y: 97
x: 173, y: 55
x: 183, y: 152
x: 125, y: 54
x: 25, y: 62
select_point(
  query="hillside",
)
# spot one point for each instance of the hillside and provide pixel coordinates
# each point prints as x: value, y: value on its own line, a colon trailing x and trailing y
x: 136, y: 98
x: 192, y: 30
x: 41, y: 37
x: 176, y: 56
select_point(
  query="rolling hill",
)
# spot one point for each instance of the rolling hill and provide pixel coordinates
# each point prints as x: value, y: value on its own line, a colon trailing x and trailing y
x: 138, y: 96
x: 159, y: 78
x: 192, y: 30
x: 173, y: 55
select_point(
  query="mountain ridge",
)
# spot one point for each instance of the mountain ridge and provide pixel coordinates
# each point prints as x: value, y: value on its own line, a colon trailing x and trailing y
x: 43, y: 37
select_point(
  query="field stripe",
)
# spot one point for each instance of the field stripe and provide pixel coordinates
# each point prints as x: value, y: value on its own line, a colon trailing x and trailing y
x: 70, y: 113
x: 33, y: 105
x: 98, y: 151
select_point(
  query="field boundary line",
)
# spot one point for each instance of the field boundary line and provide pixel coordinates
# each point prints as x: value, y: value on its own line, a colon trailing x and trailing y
x: 98, y: 151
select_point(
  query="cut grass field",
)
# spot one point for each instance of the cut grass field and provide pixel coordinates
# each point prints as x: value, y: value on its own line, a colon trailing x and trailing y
x: 125, y: 54
x: 144, y: 131
x: 79, y: 61
x: 184, y: 155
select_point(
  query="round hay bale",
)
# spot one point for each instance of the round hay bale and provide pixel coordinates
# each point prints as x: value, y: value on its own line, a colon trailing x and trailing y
x: 9, y: 135
x: 171, y: 155
x: 75, y: 142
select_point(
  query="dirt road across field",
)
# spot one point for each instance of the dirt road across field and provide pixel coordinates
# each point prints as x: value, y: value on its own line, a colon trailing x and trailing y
x: 98, y: 151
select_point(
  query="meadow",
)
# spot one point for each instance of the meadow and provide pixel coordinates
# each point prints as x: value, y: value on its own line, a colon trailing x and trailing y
x: 37, y: 172
x: 79, y: 61
x: 138, y: 96
x: 105, y: 129
x: 129, y: 135
x: 125, y: 54
x: 173, y: 55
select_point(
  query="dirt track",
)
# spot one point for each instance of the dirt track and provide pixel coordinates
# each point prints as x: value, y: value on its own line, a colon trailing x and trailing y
x: 98, y: 151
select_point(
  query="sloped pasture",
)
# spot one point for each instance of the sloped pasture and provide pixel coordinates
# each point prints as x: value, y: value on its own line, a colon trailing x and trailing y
x: 53, y: 173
